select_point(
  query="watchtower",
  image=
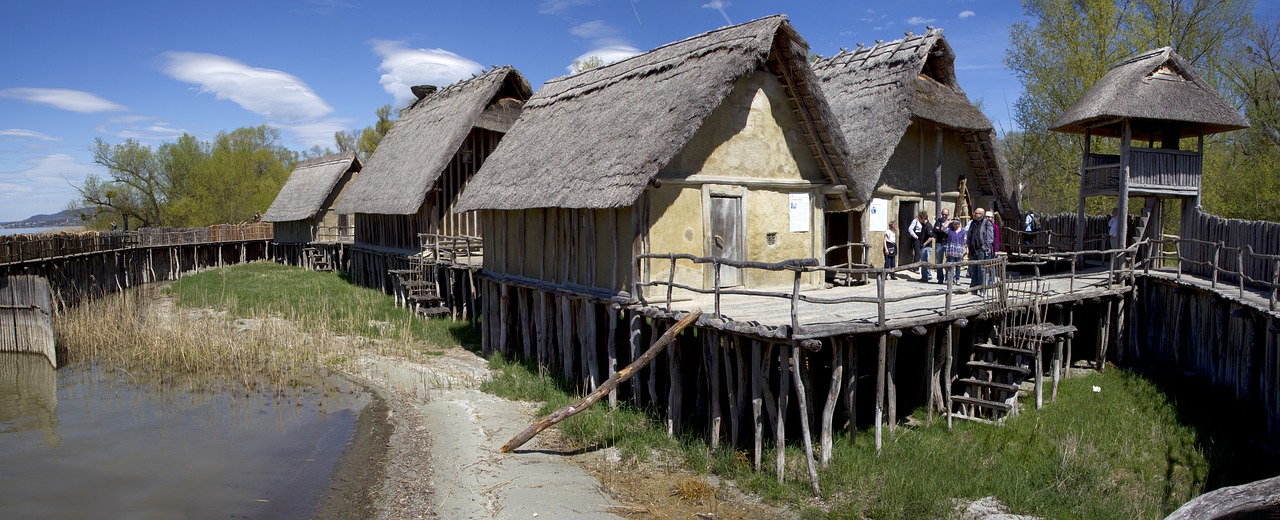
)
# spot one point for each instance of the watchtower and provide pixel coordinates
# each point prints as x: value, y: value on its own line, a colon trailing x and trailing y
x: 1151, y: 102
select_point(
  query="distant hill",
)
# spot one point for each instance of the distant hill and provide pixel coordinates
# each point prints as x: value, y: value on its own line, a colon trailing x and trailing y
x: 69, y: 217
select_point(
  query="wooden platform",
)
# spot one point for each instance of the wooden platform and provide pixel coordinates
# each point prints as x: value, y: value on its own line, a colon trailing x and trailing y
x: 907, y: 303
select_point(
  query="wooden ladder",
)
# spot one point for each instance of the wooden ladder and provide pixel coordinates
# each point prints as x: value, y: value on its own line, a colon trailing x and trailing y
x: 316, y: 260
x: 997, y: 369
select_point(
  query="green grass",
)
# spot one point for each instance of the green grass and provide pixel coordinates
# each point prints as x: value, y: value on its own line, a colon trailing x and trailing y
x: 1137, y: 449
x: 314, y: 298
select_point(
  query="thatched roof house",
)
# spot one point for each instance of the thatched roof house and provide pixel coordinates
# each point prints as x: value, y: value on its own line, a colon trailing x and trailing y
x: 907, y: 120
x: 411, y: 180
x: 615, y: 127
x: 305, y: 205
x: 1153, y: 88
x: 1150, y: 101
x: 717, y: 145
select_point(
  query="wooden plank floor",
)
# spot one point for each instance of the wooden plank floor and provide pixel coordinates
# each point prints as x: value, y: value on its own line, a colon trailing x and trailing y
x: 1259, y: 299
x: 910, y: 303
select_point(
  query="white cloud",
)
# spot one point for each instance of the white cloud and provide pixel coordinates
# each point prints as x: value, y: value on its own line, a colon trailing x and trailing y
x: 31, y: 134
x: 65, y: 99
x: 403, y: 67
x: 608, y: 54
x: 42, y: 186
x: 966, y: 14
x: 559, y: 6
x: 720, y: 5
x: 142, y: 128
x: 316, y: 133
x: 270, y: 93
x: 920, y: 20
x: 593, y: 29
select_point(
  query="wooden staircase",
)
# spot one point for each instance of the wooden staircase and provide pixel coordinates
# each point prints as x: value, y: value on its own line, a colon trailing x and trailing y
x: 417, y: 290
x: 316, y: 260
x: 997, y: 369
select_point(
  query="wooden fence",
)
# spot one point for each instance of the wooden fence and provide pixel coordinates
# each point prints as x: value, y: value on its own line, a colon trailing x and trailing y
x: 25, y: 248
x: 26, y: 314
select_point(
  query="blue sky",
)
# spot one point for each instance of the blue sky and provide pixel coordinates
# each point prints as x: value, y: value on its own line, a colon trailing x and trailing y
x: 151, y: 70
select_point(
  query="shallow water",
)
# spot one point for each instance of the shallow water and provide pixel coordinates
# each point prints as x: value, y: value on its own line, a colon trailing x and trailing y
x: 92, y: 442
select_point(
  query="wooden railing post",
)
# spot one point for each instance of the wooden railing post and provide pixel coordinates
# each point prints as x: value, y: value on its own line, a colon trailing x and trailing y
x: 1217, y: 251
x: 1275, y: 282
x: 795, y: 304
x: 1240, y: 268
x: 715, y: 266
x: 671, y: 281
x: 880, y: 275
x: 1177, y: 253
x: 635, y: 281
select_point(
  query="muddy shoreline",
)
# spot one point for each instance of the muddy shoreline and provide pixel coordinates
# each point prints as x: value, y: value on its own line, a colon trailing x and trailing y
x: 361, y: 468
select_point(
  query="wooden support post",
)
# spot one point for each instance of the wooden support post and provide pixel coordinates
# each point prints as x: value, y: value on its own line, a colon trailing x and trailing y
x: 825, y: 436
x: 612, y: 351
x: 880, y: 387
x: 740, y: 362
x: 851, y: 388
x: 931, y: 376
x: 590, y: 344
x: 634, y: 321
x: 1039, y: 346
x: 504, y: 318
x: 891, y: 380
x: 711, y: 347
x: 526, y: 323
x: 780, y: 425
x: 675, y: 392
x: 1057, y: 367
x: 757, y: 401
x: 1104, y: 333
x: 728, y: 346
x: 585, y: 402
x: 802, y: 400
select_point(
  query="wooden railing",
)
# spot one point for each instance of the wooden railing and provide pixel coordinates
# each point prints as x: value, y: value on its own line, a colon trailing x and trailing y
x: 1148, y: 168
x: 994, y: 292
x: 27, y: 248
x: 450, y: 249
x: 1222, y: 263
x: 338, y: 234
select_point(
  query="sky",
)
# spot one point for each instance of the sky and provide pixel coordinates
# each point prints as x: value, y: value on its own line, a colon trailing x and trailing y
x: 153, y: 70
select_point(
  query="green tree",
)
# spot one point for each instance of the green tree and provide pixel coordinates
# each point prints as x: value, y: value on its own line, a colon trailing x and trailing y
x: 365, y: 141
x: 1067, y: 45
x: 136, y: 185
x: 585, y: 64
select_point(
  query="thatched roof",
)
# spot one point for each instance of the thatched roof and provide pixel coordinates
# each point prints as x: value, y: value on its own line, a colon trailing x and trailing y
x: 421, y: 143
x: 311, y: 182
x: 1157, y: 85
x: 596, y: 139
x: 876, y: 92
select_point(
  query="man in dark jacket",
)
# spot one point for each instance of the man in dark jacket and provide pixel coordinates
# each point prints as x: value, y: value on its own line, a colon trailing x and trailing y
x: 940, y: 238
x: 982, y: 241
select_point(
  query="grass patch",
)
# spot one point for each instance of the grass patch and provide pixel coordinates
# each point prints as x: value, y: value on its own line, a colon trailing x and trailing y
x: 312, y: 299
x: 1126, y: 452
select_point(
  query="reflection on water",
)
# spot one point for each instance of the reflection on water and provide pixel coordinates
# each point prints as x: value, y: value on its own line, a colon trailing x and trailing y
x: 28, y: 396
x: 92, y: 442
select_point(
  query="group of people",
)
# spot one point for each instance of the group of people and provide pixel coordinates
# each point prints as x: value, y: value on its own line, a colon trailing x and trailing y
x: 947, y: 238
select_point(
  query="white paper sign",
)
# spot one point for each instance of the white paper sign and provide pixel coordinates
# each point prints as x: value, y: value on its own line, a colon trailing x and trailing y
x: 879, y: 220
x: 799, y: 212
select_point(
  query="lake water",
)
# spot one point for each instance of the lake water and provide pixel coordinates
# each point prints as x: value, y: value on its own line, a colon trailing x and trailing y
x: 88, y: 441
x: 30, y: 230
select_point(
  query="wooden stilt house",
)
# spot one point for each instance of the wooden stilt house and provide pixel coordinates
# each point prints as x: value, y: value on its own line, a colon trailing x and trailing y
x: 915, y: 141
x: 411, y: 182
x: 1151, y: 102
x: 303, y: 216
x: 715, y: 146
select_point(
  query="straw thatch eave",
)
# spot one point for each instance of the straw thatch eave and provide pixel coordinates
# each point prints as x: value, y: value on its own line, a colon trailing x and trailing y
x: 877, y: 92
x: 1156, y: 89
x: 596, y: 139
x: 309, y: 185
x: 413, y: 154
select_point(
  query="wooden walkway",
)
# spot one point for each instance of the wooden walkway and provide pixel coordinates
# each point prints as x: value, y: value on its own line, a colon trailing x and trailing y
x: 817, y: 313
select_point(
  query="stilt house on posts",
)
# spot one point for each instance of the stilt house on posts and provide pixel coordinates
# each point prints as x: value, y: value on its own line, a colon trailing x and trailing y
x: 303, y: 216
x: 915, y: 141
x: 1155, y: 105
x: 411, y: 182
x: 719, y: 145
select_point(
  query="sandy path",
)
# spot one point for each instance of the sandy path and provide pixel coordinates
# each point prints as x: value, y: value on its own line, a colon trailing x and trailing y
x: 444, y: 420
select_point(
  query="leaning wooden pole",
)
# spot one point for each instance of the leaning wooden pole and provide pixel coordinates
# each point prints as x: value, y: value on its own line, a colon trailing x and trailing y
x: 584, y: 403
x: 801, y: 399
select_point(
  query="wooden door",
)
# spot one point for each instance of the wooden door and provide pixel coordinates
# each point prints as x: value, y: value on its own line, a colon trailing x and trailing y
x: 727, y: 237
